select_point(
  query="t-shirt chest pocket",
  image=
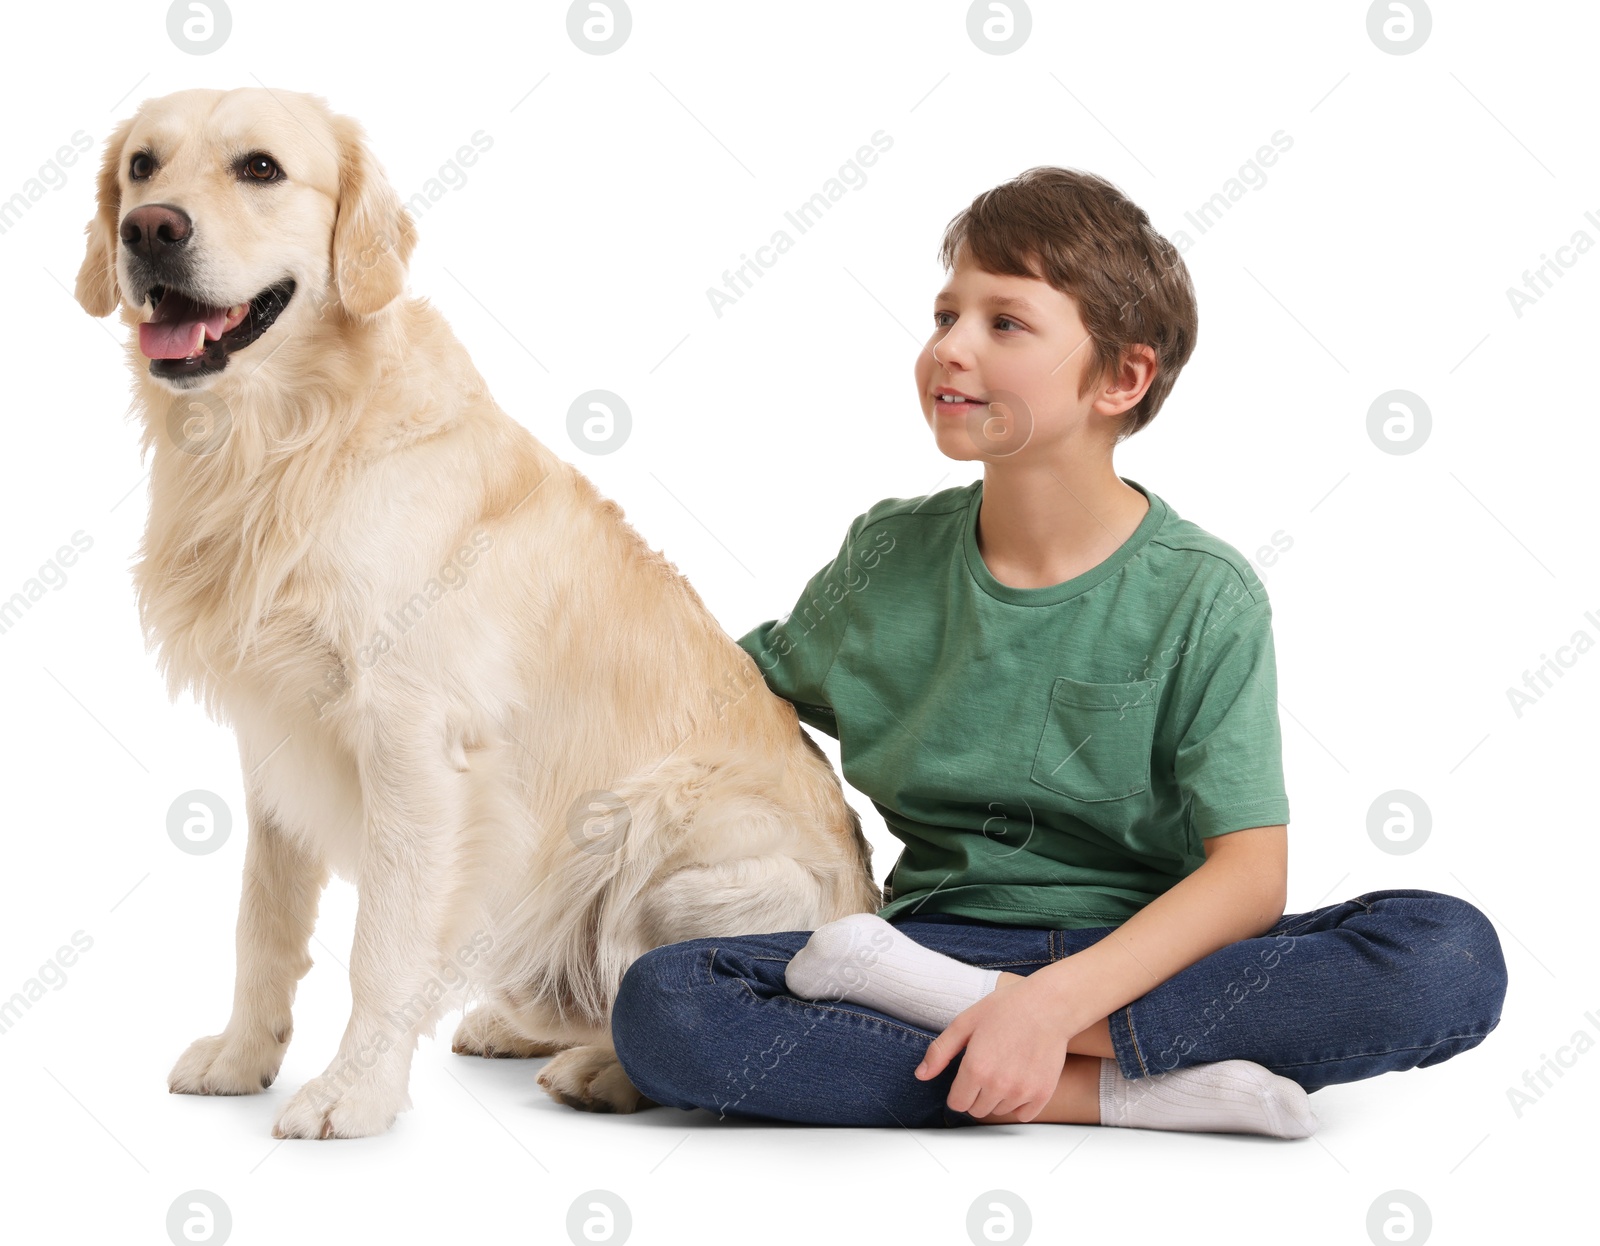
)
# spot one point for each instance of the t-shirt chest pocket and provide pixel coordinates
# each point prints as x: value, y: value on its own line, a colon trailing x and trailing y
x: 1097, y: 739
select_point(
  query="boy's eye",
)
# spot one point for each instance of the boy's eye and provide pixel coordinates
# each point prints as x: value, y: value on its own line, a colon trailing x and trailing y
x: 939, y: 321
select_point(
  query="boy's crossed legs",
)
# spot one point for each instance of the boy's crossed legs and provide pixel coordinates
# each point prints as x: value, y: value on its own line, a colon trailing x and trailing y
x: 865, y: 960
x: 1389, y: 980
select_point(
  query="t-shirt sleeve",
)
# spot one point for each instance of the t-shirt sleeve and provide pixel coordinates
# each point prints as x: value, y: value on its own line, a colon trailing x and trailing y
x: 1229, y: 761
x: 795, y: 653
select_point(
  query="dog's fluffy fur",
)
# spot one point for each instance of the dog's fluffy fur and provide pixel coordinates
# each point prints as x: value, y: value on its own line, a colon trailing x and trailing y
x: 458, y: 677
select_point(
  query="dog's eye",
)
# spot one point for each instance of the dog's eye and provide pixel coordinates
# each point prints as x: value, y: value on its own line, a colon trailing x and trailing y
x: 260, y: 167
x: 140, y: 166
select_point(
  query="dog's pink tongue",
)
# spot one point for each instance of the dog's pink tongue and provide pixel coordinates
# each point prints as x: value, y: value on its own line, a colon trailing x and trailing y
x: 176, y: 339
x: 175, y: 331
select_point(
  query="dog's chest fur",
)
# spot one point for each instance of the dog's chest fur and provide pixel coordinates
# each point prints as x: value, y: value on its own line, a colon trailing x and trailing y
x: 240, y: 615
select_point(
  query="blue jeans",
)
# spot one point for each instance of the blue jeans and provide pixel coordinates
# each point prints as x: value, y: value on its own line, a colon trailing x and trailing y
x: 1390, y: 980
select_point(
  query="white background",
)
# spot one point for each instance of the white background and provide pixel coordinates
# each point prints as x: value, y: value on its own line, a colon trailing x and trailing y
x: 1416, y: 589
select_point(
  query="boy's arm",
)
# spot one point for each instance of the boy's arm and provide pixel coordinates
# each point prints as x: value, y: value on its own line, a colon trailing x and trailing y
x: 1238, y: 893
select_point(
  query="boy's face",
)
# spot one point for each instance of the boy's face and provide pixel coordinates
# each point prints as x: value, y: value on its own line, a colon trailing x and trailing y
x: 1023, y: 361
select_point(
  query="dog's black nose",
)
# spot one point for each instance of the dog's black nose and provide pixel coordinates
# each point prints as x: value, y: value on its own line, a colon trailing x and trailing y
x: 155, y: 230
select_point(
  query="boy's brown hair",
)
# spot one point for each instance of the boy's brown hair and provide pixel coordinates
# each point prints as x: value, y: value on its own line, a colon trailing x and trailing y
x: 1096, y: 245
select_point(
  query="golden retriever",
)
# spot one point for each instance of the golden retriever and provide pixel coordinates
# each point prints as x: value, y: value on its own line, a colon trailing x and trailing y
x: 458, y: 677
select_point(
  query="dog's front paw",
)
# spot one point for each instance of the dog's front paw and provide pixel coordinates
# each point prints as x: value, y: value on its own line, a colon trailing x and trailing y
x: 591, y: 1079
x: 223, y: 1064
x: 320, y: 1109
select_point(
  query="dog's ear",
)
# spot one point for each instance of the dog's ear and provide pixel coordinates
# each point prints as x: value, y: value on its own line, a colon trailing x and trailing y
x: 97, y: 277
x: 373, y: 235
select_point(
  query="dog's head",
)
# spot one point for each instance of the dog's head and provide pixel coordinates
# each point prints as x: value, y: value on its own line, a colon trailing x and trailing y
x: 225, y: 219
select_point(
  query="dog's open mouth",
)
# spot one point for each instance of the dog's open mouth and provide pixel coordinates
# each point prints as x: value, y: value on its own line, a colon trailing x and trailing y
x: 187, y: 338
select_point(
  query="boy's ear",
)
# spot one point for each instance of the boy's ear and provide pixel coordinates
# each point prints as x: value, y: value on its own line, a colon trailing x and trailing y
x: 373, y: 235
x: 97, y: 290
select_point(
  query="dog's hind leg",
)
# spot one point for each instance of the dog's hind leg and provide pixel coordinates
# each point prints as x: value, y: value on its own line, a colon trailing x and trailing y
x: 591, y: 1079
x: 744, y: 895
x: 489, y: 1030
x: 277, y: 911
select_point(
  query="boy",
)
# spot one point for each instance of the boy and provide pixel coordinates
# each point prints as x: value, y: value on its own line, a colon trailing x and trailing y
x: 1061, y: 696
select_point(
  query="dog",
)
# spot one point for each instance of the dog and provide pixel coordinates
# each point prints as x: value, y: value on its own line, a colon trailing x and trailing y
x: 458, y: 677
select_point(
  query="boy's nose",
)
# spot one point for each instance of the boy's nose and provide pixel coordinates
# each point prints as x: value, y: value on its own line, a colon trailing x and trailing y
x: 952, y: 349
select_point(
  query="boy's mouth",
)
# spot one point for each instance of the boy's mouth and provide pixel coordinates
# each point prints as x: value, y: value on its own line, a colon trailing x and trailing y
x: 954, y: 402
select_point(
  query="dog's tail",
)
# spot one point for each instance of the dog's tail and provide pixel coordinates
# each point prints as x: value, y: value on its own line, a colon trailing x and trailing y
x: 683, y: 849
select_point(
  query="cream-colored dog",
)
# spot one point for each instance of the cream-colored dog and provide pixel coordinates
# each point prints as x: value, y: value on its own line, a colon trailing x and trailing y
x: 458, y: 677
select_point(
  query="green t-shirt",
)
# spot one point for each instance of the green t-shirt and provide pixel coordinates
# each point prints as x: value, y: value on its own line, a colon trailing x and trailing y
x: 1048, y: 756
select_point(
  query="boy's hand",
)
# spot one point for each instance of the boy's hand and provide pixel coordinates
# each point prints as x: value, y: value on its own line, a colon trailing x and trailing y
x: 1016, y: 1046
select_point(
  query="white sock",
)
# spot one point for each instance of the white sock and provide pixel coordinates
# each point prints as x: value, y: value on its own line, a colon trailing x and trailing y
x: 864, y: 960
x: 1229, y: 1096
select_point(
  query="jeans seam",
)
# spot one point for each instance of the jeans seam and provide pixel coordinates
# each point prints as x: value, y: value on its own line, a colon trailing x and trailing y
x: 1134, y: 1039
x: 1313, y: 915
x: 843, y: 1012
x: 1359, y: 1055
